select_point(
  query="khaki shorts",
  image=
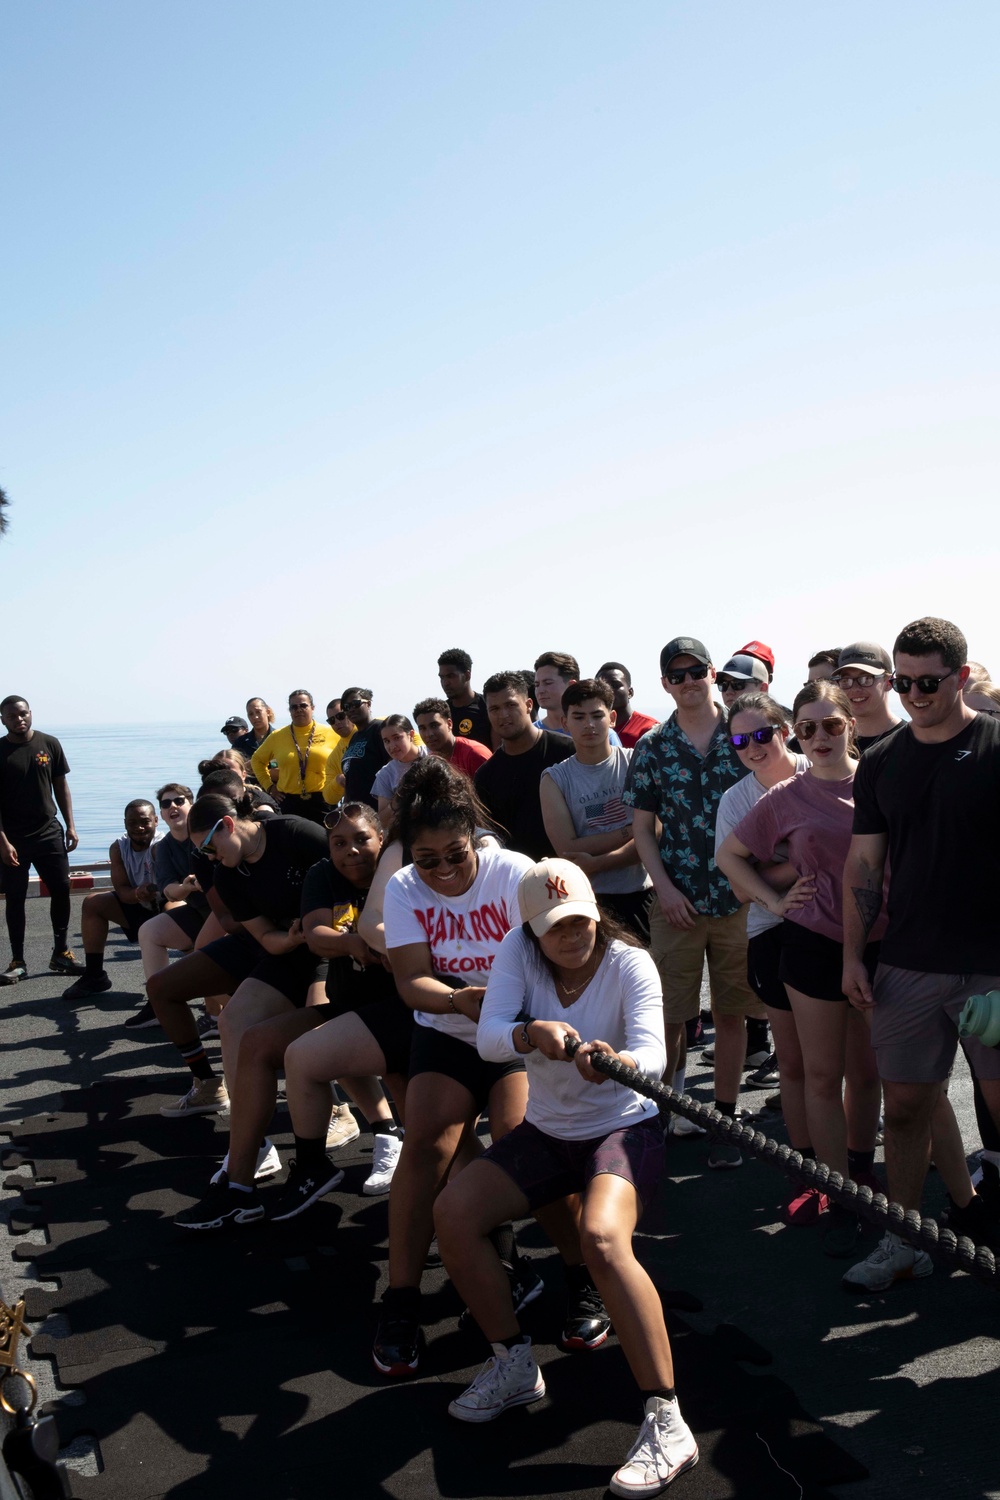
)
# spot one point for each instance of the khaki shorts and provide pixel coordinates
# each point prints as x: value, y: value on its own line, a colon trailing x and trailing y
x: 914, y: 1025
x: 680, y: 954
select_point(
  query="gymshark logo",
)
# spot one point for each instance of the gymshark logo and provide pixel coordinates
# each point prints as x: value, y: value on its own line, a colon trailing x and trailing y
x: 961, y: 755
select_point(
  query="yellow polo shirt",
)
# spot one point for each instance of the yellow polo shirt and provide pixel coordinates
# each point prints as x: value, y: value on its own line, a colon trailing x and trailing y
x: 279, y: 746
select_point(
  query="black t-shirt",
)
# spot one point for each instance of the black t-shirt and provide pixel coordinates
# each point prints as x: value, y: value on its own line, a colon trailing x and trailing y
x: 272, y: 886
x: 866, y: 741
x: 940, y: 807
x: 27, y: 803
x: 508, y: 786
x: 347, y: 983
x: 363, y: 759
x: 472, y: 722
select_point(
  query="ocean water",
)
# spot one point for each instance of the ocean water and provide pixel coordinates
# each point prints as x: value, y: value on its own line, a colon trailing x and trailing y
x: 112, y: 763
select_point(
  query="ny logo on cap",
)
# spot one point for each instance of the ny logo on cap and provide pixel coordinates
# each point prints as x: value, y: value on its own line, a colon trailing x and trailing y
x: 556, y: 887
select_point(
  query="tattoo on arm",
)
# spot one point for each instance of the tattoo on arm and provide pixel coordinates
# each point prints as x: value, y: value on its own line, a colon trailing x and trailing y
x: 868, y: 900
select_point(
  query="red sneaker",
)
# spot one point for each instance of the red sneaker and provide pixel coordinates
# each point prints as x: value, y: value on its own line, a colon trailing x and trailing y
x: 805, y: 1208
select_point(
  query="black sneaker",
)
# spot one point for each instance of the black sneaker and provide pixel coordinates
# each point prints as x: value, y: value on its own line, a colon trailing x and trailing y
x: 140, y: 1019
x: 843, y: 1233
x: 63, y: 961
x: 525, y: 1284
x: 724, y: 1156
x: 15, y: 971
x: 978, y: 1220
x: 399, y: 1343
x: 586, y: 1324
x: 304, y: 1187
x: 767, y: 1074
x: 87, y: 985
x: 221, y: 1207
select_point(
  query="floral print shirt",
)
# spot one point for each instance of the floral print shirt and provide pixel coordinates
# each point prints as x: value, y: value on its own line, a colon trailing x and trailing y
x: 668, y: 777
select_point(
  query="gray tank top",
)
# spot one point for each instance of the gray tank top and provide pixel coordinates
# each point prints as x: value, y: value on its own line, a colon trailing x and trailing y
x: 593, y: 795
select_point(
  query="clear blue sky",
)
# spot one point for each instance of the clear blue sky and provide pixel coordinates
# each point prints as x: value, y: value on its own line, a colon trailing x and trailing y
x: 337, y: 335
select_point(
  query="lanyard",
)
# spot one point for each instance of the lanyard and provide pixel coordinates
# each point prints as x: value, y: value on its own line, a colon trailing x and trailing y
x: 303, y: 758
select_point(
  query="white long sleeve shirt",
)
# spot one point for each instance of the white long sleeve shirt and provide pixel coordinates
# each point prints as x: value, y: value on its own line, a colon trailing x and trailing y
x: 622, y: 1005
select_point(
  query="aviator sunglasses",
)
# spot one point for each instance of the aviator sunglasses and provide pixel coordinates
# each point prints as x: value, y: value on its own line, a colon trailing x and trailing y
x: 345, y: 810
x: 759, y: 736
x: 696, y: 674
x: 806, y: 728
x: 926, y: 685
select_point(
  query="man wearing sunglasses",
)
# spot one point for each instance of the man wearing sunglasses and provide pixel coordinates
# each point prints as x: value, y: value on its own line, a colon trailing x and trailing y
x: 863, y: 671
x: 927, y: 798
x: 741, y: 674
x: 677, y: 775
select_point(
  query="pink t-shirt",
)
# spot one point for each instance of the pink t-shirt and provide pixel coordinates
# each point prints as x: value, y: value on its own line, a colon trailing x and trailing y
x: 814, y: 818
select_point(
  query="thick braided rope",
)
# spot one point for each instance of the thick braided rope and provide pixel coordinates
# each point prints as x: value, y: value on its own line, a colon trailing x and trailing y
x: 921, y: 1233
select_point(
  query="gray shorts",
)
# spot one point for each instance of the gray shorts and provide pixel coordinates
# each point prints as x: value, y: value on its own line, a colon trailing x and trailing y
x: 915, y: 1025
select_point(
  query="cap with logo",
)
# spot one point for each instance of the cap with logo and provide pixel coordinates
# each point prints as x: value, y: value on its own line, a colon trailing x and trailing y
x: 683, y: 645
x: 235, y: 723
x: 869, y: 656
x: 552, y: 890
x: 763, y: 653
x: 748, y: 668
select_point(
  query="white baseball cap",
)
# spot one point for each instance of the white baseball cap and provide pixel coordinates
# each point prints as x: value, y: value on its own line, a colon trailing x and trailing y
x: 553, y: 889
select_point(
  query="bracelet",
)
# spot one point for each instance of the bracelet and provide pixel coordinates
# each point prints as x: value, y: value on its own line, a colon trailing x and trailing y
x: 452, y: 1003
x: 525, y: 1038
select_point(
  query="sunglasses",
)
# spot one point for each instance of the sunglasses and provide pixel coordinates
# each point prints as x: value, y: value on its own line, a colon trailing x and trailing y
x: 206, y: 847
x: 902, y: 684
x: 994, y: 713
x: 298, y: 707
x: 806, y: 728
x: 355, y: 703
x: 431, y: 862
x: 173, y: 802
x: 696, y: 674
x: 730, y: 685
x: 343, y: 810
x: 759, y: 736
x: 856, y: 679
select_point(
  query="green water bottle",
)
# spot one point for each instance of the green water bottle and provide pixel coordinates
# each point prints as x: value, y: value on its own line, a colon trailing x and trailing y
x: 981, y: 1017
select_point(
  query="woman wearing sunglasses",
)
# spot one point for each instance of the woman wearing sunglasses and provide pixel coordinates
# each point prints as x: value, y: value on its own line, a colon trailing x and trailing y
x: 811, y: 815
x: 758, y: 731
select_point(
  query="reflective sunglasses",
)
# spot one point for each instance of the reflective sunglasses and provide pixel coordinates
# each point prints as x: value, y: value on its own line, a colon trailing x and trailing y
x: 834, y: 726
x: 295, y: 708
x: 902, y: 684
x: 342, y: 810
x: 431, y: 861
x: 206, y: 847
x: 759, y: 736
x: 856, y: 679
x: 173, y: 802
x: 696, y: 674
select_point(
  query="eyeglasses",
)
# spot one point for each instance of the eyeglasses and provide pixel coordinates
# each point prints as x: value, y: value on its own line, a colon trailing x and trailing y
x: 173, y: 802
x: 206, y: 847
x: 344, y: 810
x: 728, y: 685
x: 855, y: 679
x: 431, y: 862
x: 696, y: 674
x: 806, y: 728
x: 759, y: 736
x: 926, y: 685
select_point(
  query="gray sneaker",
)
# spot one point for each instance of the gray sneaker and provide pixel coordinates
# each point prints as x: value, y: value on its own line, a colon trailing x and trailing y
x: 208, y: 1028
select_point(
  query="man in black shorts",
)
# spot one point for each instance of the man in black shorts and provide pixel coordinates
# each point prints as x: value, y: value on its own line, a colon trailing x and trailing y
x: 927, y: 797
x: 132, y: 900
x: 33, y: 772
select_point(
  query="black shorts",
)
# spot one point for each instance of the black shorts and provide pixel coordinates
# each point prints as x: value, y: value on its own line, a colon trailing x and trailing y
x: 546, y: 1168
x: 763, y: 961
x: 814, y: 964
x: 631, y: 908
x: 435, y: 1051
x: 135, y: 915
x: 188, y: 920
x: 290, y: 974
x: 312, y: 807
x: 46, y: 851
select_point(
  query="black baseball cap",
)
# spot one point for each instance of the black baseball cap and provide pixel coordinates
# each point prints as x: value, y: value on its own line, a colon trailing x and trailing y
x: 683, y: 645
x: 235, y: 723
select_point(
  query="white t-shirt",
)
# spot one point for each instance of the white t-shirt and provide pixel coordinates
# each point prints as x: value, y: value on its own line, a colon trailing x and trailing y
x: 464, y: 932
x: 733, y: 808
x: 622, y: 1005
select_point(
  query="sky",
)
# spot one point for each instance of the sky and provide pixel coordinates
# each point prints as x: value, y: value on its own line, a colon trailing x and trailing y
x: 338, y: 335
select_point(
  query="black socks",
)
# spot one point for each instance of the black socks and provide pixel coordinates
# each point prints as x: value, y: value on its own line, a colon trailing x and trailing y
x: 385, y: 1127
x: 664, y: 1392
x: 94, y: 965
x: 859, y: 1161
x: 196, y: 1057
x: 310, y: 1153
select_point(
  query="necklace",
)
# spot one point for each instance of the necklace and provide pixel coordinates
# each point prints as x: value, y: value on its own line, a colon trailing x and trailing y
x: 303, y: 759
x: 242, y: 866
x: 566, y: 989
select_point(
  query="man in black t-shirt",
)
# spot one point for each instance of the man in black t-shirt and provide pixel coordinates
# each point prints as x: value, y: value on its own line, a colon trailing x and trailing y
x: 33, y: 772
x: 927, y: 798
x: 469, y: 717
x: 508, y: 782
x: 365, y: 754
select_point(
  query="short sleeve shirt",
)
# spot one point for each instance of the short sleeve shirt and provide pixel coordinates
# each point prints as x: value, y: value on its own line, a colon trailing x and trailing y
x: 27, y: 772
x: 668, y: 777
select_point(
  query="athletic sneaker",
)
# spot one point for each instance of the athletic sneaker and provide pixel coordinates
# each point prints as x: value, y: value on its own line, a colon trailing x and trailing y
x: 142, y: 1019
x: 15, y: 971
x: 767, y: 1073
x: 889, y: 1262
x: 63, y: 961
x: 89, y: 984
x: 305, y: 1187
x: 681, y: 1125
x: 221, y: 1207
x: 843, y: 1233
x: 208, y: 1028
x: 342, y: 1129
x: 664, y: 1448
x: 978, y: 1220
x: 757, y: 1059
x: 586, y: 1324
x: 398, y: 1345
x: 708, y: 1053
x: 723, y: 1156
x: 206, y: 1096
x: 385, y: 1156
x: 525, y: 1284
x: 510, y: 1378
x: 805, y: 1207
x: 773, y: 1101
x: 268, y: 1164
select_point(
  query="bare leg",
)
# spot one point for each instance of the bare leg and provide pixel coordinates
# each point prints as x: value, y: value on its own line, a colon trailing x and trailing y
x: 862, y: 1087
x: 438, y: 1110
x: 676, y: 1050
x: 730, y: 1055
x: 343, y: 1046
x: 611, y: 1210
x: 172, y: 989
x: 366, y: 1092
x: 822, y: 1029
x: 155, y: 937
x: 949, y: 1151
x: 478, y: 1201
x: 211, y: 929
x: 99, y: 910
x: 909, y: 1109
x: 792, y: 1074
x: 252, y: 1002
x: 261, y: 1054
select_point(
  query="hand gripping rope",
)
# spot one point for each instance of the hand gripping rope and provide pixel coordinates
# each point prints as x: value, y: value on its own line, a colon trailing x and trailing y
x: 955, y: 1251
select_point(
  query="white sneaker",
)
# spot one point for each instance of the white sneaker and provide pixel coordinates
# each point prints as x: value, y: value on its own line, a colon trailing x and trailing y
x: 664, y: 1448
x: 343, y: 1127
x: 268, y: 1164
x: 890, y: 1261
x: 384, y: 1159
x: 206, y: 1096
x: 681, y: 1125
x: 510, y: 1378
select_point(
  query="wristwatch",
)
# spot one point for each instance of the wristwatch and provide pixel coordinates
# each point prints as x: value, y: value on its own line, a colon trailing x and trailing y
x: 525, y: 1038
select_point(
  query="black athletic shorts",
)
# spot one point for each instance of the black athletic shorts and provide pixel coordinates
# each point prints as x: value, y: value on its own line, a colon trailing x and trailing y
x: 435, y: 1051
x: 46, y: 851
x: 763, y: 961
x: 814, y: 964
x: 188, y: 920
x: 290, y: 974
x: 135, y: 915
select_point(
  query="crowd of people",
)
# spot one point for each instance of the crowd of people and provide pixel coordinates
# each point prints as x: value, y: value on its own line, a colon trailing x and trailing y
x: 418, y: 913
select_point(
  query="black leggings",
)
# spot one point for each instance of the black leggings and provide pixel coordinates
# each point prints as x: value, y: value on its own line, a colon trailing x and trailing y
x: 48, y: 855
